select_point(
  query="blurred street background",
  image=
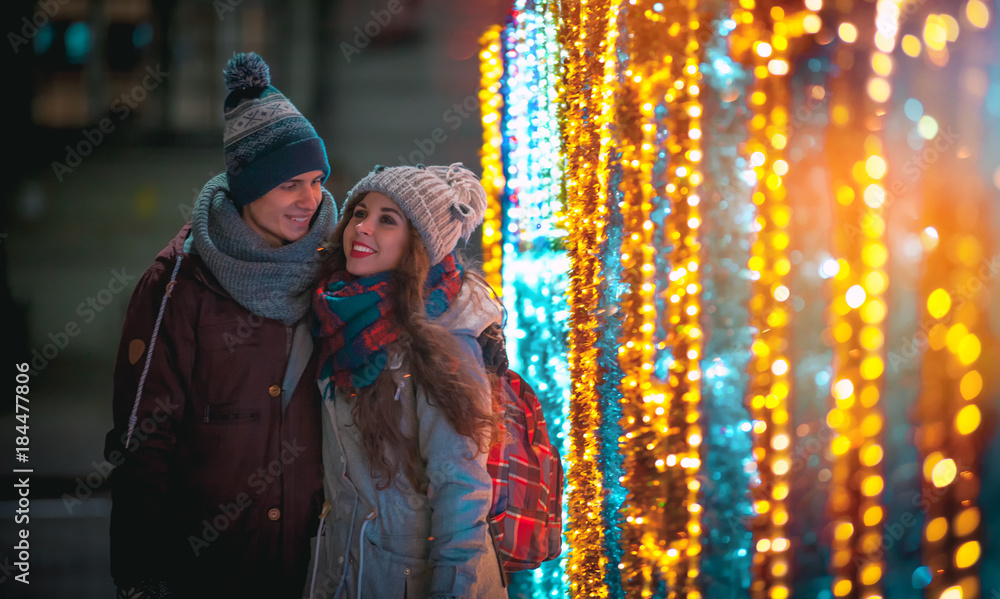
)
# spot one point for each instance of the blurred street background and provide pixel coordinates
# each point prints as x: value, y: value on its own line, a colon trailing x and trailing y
x: 114, y: 122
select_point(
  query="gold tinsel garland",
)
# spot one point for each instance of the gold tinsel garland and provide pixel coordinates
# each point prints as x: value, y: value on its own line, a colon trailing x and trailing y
x: 641, y: 89
x: 663, y: 438
x: 586, y: 33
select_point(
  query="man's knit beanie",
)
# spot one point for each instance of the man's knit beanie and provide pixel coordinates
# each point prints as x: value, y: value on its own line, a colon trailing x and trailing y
x: 444, y: 203
x: 267, y: 141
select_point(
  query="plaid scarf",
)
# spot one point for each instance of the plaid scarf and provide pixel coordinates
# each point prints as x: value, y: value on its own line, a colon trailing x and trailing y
x: 355, y: 321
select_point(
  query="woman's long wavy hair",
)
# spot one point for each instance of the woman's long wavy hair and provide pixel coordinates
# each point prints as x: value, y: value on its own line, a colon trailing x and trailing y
x: 435, y: 366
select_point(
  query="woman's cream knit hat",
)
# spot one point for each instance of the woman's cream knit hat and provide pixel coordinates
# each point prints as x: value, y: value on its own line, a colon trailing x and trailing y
x: 444, y: 203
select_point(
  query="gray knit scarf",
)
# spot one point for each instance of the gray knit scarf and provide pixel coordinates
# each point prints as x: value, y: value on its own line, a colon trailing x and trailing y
x: 268, y: 281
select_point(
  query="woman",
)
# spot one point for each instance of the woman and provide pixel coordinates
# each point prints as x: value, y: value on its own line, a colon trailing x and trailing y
x: 409, y: 413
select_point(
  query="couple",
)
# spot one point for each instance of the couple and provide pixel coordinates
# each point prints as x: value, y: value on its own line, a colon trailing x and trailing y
x: 301, y: 406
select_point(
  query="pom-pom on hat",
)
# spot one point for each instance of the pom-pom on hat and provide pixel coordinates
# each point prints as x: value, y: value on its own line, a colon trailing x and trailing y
x: 267, y: 141
x: 444, y: 203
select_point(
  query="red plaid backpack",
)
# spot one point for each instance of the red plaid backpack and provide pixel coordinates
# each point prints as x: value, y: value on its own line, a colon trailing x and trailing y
x: 526, y: 517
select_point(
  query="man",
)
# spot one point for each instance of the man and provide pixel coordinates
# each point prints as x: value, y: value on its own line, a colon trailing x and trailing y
x: 216, y: 438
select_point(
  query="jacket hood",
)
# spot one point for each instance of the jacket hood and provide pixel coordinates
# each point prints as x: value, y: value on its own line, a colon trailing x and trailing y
x: 176, y: 247
x: 473, y: 310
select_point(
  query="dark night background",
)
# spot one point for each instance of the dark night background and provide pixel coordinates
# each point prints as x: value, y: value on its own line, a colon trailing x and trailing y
x: 135, y: 89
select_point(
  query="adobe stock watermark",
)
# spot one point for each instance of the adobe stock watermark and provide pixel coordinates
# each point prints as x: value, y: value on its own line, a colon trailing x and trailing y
x: 930, y: 153
x: 893, y: 532
x: 30, y: 28
x: 244, y: 330
x: 437, y: 476
x: 6, y: 569
x: 122, y: 108
x: 258, y: 481
x: 802, y: 452
x: 804, y: 112
x: 363, y: 35
x: 907, y: 10
x: 454, y: 116
x: 88, y: 310
x: 187, y: 209
x: 95, y: 479
x: 912, y: 169
x: 911, y: 347
x: 224, y: 7
x: 245, y: 326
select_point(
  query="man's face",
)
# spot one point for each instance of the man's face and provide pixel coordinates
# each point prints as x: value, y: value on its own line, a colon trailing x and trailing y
x: 283, y: 214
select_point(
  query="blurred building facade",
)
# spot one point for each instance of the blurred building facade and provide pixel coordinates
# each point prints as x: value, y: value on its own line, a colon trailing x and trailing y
x: 384, y: 81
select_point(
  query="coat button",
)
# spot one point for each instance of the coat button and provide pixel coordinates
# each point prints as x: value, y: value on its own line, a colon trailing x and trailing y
x: 274, y: 390
x: 274, y: 513
x: 340, y: 559
x: 406, y: 571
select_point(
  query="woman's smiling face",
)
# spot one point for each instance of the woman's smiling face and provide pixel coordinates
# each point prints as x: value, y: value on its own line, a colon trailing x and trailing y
x: 376, y: 236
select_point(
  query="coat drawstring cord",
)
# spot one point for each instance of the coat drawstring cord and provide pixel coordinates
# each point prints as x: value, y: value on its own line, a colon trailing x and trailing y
x: 319, y: 530
x: 134, y: 416
x: 361, y: 550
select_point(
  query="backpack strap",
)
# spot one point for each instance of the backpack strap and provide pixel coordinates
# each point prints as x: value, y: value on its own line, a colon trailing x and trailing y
x: 529, y: 402
x: 133, y: 417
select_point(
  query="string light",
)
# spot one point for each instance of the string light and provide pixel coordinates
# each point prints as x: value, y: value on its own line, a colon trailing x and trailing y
x: 953, y: 407
x: 858, y: 312
x: 535, y: 266
x: 491, y: 105
x: 950, y: 435
x: 522, y: 234
x: 770, y: 380
x: 638, y: 138
x: 683, y: 321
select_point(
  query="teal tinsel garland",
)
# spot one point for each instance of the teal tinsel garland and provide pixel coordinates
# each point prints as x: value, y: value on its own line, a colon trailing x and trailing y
x: 727, y: 451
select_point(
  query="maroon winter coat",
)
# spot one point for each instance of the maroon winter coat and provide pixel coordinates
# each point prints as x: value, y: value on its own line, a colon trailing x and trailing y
x: 219, y: 490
